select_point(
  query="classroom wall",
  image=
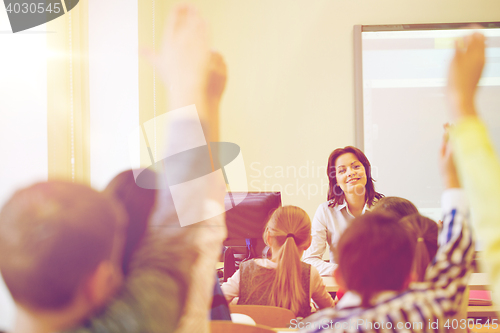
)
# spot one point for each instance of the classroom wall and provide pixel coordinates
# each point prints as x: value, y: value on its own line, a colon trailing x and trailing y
x: 290, y: 95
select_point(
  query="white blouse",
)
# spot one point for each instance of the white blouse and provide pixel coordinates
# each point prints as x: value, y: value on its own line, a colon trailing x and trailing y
x: 327, y: 226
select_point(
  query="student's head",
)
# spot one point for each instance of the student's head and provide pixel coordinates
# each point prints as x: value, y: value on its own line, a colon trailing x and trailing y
x: 288, y: 225
x: 288, y: 233
x: 399, y: 207
x: 60, y: 246
x: 349, y: 171
x: 138, y: 203
x: 374, y: 254
x: 425, y: 233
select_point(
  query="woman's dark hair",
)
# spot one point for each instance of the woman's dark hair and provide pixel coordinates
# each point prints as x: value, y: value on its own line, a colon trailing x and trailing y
x: 375, y: 254
x: 400, y: 207
x: 138, y: 203
x: 335, y: 193
x: 425, y: 234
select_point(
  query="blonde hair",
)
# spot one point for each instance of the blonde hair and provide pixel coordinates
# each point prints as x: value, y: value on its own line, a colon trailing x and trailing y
x: 290, y: 228
x: 425, y: 232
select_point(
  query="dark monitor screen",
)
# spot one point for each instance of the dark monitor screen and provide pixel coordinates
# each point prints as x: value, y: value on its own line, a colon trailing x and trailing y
x: 249, y: 217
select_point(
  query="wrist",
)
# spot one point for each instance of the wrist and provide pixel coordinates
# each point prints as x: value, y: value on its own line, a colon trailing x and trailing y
x: 463, y: 107
x: 451, y: 182
x: 191, y: 96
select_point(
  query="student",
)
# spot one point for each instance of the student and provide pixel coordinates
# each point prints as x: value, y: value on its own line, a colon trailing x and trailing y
x: 351, y: 193
x: 425, y: 234
x: 400, y: 207
x: 139, y: 203
x: 170, y: 281
x: 477, y: 163
x: 423, y: 230
x: 284, y: 280
x: 373, y: 266
x: 60, y: 253
x: 173, y: 268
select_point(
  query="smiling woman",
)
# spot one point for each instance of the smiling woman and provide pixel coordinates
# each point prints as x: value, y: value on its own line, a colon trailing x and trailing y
x: 351, y: 194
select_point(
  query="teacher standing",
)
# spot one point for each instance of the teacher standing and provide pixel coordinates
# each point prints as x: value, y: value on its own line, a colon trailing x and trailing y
x: 351, y: 193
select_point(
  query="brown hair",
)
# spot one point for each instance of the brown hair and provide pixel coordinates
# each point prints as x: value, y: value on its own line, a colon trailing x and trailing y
x: 138, y: 203
x: 375, y: 254
x: 290, y: 227
x: 400, y: 207
x: 335, y: 194
x: 53, y: 235
x: 425, y: 234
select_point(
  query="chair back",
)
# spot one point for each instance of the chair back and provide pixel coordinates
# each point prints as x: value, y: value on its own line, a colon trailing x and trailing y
x: 271, y: 316
x: 224, y: 326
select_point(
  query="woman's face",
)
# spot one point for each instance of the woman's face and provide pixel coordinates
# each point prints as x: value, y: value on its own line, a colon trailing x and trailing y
x: 350, y: 174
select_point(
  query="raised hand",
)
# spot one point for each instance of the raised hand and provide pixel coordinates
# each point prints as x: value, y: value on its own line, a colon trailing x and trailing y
x: 183, y: 59
x: 447, y: 164
x: 465, y: 72
x: 217, y: 77
x: 216, y: 83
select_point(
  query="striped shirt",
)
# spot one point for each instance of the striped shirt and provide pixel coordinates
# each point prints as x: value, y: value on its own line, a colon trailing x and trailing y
x: 424, y: 306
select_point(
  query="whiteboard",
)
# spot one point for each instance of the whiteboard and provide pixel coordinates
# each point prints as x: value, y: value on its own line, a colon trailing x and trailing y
x: 401, y: 75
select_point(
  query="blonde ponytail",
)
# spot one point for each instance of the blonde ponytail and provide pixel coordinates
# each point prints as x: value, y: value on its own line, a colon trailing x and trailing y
x: 290, y: 227
x: 286, y: 289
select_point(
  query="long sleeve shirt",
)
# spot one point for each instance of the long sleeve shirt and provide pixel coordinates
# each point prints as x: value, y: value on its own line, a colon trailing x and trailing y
x: 424, y: 306
x: 170, y: 284
x: 479, y: 170
x: 327, y: 226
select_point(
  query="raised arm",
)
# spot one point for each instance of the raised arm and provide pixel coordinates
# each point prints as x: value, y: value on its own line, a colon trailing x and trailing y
x: 171, y: 278
x: 185, y: 62
x: 448, y: 275
x: 477, y: 162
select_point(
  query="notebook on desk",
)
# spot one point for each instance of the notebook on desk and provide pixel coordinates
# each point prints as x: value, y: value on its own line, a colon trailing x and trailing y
x: 480, y: 297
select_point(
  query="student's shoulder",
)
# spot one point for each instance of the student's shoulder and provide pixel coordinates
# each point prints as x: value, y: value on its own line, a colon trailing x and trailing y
x: 315, y: 276
x: 252, y: 263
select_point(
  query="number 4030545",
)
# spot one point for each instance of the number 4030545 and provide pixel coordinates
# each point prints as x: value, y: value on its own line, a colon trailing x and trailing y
x: 33, y: 8
x: 471, y: 324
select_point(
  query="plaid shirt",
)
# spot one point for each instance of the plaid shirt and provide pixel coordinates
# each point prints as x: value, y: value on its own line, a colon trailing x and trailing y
x: 425, y: 306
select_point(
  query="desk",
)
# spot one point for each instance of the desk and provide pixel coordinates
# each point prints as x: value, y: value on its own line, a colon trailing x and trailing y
x: 478, y: 281
x: 483, y: 311
x: 331, y: 284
